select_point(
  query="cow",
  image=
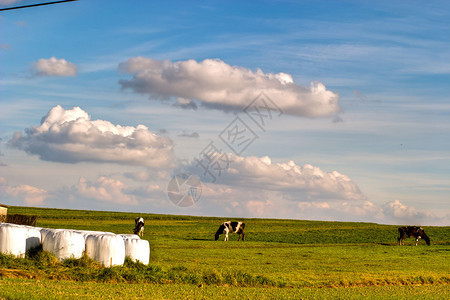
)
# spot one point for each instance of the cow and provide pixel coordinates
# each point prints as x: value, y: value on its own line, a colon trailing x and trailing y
x: 139, y: 228
x: 233, y: 227
x: 412, y: 231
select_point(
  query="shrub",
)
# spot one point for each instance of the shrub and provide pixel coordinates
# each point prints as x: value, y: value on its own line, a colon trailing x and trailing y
x: 83, y: 262
x: 111, y: 274
x: 134, y: 265
x: 212, y: 277
x: 44, y: 259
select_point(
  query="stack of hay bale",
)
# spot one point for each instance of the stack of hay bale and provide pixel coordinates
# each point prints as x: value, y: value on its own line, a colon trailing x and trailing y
x: 3, y: 212
x: 106, y: 248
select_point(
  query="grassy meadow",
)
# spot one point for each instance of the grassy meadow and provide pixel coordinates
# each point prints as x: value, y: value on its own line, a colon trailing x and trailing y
x: 280, y: 259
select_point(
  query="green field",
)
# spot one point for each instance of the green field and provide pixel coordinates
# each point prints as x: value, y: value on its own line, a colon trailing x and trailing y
x: 280, y: 259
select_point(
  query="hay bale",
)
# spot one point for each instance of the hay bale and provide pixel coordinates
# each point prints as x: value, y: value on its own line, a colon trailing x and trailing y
x: 3, y: 213
x: 106, y: 249
x: 21, y: 219
x: 63, y: 243
x: 13, y: 239
x: 137, y: 249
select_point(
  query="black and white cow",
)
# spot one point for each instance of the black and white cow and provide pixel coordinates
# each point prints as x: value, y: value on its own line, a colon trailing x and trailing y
x: 412, y: 231
x: 233, y: 227
x: 139, y: 228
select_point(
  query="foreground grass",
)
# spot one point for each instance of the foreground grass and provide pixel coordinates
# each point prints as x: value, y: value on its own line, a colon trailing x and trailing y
x: 42, y: 265
x: 32, y: 289
x: 279, y: 258
x: 301, y: 266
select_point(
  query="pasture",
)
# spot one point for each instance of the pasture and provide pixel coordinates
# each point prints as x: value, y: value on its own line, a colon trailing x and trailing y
x: 279, y: 259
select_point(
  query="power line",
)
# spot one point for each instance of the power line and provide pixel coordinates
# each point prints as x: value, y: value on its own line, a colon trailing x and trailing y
x: 34, y: 5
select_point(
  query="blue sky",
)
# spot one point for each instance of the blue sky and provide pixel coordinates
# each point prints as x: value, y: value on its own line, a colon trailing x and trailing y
x: 363, y: 87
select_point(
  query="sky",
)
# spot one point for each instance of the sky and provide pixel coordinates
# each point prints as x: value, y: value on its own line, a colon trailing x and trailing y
x: 331, y: 110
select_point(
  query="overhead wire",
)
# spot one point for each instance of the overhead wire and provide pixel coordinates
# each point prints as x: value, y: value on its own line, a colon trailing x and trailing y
x: 37, y: 4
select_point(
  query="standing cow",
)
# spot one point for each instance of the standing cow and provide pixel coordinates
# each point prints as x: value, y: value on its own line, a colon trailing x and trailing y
x: 233, y: 227
x: 139, y: 226
x: 412, y: 231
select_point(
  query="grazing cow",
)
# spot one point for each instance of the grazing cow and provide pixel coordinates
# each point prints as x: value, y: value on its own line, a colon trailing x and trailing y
x: 412, y: 231
x: 233, y: 227
x: 139, y: 228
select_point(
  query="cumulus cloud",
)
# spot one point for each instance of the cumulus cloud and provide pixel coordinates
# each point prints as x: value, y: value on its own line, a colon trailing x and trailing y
x: 105, y: 189
x: 261, y: 173
x: 257, y: 187
x: 403, y: 214
x: 215, y: 84
x: 29, y: 194
x: 54, y: 67
x: 70, y: 136
x: 240, y: 201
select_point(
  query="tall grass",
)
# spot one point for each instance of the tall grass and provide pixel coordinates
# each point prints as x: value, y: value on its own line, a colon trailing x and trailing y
x: 43, y: 265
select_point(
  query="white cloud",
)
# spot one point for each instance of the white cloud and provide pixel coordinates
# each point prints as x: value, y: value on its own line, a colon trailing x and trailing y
x: 70, y: 136
x: 54, y: 67
x: 215, y: 84
x: 148, y: 175
x: 238, y: 201
x: 403, y: 214
x: 105, y: 189
x: 305, y: 182
x: 29, y: 194
x: 365, y: 211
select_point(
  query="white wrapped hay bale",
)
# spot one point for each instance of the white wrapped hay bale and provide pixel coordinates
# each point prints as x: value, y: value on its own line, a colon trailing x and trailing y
x: 63, y: 243
x: 137, y: 249
x: 13, y: 239
x: 107, y: 249
x: 33, y: 237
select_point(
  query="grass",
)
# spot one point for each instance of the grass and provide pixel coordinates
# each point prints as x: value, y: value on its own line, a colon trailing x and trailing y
x: 42, y: 265
x: 285, y: 258
x: 39, y: 289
